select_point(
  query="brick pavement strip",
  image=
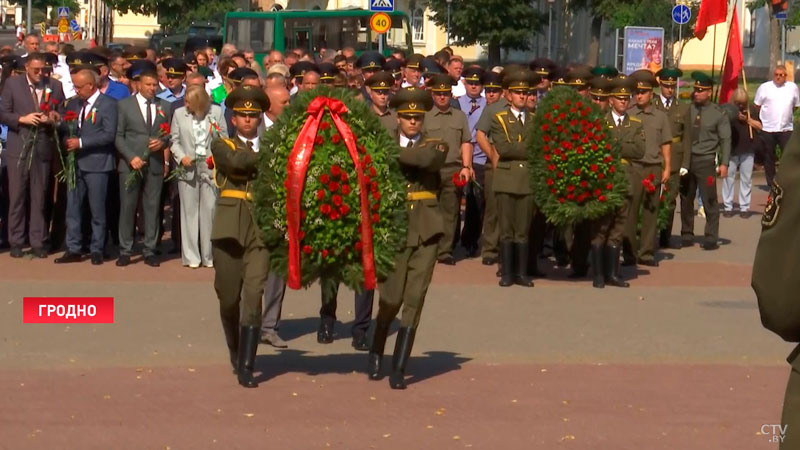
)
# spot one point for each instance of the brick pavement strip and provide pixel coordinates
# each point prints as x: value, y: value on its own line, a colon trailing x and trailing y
x: 679, y: 361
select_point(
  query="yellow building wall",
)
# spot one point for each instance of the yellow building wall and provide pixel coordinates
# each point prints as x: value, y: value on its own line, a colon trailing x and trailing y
x: 697, y: 54
x: 129, y: 27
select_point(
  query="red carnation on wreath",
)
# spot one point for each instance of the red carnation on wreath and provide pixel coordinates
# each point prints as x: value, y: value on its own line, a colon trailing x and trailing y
x: 323, y: 194
x: 580, y: 162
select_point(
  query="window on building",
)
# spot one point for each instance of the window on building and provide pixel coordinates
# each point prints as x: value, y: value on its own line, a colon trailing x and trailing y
x: 749, y: 32
x: 418, y: 24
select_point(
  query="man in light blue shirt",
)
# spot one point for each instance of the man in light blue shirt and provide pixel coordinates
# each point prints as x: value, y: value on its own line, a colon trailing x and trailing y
x: 473, y: 105
x: 176, y: 74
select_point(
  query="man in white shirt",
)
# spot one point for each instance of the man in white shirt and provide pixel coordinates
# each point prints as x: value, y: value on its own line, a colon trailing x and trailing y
x: 776, y: 101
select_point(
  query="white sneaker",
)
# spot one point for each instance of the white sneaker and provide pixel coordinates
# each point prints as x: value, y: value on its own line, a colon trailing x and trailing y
x: 209, y: 265
x: 701, y: 212
x: 194, y: 266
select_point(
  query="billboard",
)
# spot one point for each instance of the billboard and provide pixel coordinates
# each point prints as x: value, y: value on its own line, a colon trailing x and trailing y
x: 643, y: 49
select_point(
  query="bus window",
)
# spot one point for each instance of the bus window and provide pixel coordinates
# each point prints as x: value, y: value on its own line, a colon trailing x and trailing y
x: 256, y: 34
x: 397, y: 37
x: 328, y: 32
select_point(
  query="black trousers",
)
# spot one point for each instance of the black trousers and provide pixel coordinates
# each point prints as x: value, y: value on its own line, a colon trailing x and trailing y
x: 769, y: 141
x: 702, y: 175
x: 473, y: 215
x: 362, y: 309
x: 3, y: 206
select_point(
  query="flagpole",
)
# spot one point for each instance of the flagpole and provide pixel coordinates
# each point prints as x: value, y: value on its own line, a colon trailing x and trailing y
x: 724, y: 58
x: 744, y: 83
x: 714, y: 53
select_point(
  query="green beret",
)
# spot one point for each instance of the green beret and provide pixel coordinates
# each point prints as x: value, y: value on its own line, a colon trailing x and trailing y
x: 441, y: 82
x: 381, y: 81
x: 668, y: 76
x: 702, y: 81
x: 605, y: 72
x: 247, y: 99
x: 644, y: 79
x: 411, y: 101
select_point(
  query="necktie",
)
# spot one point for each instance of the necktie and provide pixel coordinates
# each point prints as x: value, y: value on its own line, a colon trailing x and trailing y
x: 474, y: 106
x: 619, y: 121
x: 250, y: 145
x: 410, y: 144
x: 669, y: 102
x: 35, y: 98
x: 83, y: 114
x: 149, y: 114
x: 521, y: 118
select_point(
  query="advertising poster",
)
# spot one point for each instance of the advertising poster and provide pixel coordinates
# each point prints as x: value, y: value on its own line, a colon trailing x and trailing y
x: 644, y: 49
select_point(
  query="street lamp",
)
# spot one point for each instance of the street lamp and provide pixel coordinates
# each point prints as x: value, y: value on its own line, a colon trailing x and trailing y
x: 449, y: 2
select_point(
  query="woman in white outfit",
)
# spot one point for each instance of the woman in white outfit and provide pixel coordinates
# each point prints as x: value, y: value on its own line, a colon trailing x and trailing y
x: 193, y: 128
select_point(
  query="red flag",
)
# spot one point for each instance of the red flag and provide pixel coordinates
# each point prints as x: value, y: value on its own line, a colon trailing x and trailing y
x: 733, y: 62
x: 711, y: 12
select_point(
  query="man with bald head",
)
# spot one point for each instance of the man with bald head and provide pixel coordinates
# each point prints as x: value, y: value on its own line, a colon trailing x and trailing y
x: 274, y: 57
x: 310, y: 80
x: 93, y: 147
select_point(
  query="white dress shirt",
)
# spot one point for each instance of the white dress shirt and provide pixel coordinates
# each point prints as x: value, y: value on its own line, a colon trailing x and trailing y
x: 777, y: 105
x: 254, y: 141
x: 617, y: 118
x: 404, y: 140
x: 143, y: 107
x: 519, y: 115
x: 666, y: 101
x: 267, y: 122
x: 459, y: 89
x: 87, y: 109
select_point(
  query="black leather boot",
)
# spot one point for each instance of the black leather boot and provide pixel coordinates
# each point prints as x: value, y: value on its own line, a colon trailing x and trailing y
x: 402, y: 351
x: 231, y: 329
x: 507, y: 263
x: 611, y: 261
x: 598, y: 267
x: 375, y: 356
x: 521, y: 256
x: 248, y: 344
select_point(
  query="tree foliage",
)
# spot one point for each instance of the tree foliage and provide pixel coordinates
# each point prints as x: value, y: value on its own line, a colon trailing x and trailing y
x: 177, y: 14
x: 643, y: 13
x: 507, y: 24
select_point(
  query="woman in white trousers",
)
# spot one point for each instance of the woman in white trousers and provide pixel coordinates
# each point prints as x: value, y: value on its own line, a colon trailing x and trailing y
x: 193, y: 128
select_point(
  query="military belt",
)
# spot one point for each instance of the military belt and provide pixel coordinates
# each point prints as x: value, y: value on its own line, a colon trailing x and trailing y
x: 421, y: 195
x: 235, y: 193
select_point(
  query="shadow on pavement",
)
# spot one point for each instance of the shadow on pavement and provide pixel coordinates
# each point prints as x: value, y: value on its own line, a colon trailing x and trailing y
x: 419, y: 368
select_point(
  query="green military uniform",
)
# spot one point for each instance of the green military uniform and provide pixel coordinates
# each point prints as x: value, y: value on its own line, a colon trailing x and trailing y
x: 491, y: 232
x: 421, y: 158
x: 383, y: 81
x: 607, y: 232
x: 449, y: 125
x: 657, y: 131
x: 241, y: 261
x: 710, y: 131
x: 511, y: 182
x: 680, y: 118
x: 775, y: 279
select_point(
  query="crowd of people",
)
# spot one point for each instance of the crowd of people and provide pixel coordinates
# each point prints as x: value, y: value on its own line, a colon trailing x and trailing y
x: 102, y: 146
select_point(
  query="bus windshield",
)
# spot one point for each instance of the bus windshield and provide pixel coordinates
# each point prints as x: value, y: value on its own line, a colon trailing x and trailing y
x: 256, y: 34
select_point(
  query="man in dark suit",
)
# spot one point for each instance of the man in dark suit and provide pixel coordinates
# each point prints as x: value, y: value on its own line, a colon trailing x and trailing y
x: 28, y: 164
x: 94, y: 159
x: 141, y: 142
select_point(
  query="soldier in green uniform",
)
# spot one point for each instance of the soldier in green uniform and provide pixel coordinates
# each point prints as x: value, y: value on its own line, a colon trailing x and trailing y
x: 511, y: 183
x: 679, y: 117
x: 379, y: 87
x: 710, y: 130
x: 495, y: 102
x: 542, y: 67
x: 420, y: 158
x: 775, y: 279
x: 607, y: 231
x: 654, y: 166
x: 449, y: 125
x: 241, y: 262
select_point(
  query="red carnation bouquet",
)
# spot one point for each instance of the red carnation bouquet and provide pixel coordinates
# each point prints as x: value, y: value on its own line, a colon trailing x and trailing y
x: 575, y: 165
x: 68, y: 171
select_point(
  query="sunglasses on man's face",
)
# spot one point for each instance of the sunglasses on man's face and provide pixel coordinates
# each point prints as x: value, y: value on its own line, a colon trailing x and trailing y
x: 253, y: 115
x: 780, y: 75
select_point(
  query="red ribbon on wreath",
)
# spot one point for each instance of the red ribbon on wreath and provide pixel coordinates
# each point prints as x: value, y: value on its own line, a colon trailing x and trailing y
x: 295, y: 181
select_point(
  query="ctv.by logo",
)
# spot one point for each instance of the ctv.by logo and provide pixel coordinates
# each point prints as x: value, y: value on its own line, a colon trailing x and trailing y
x: 775, y: 433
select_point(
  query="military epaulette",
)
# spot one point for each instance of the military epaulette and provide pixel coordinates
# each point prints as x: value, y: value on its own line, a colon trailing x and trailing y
x: 230, y: 143
x: 634, y: 119
x: 438, y: 143
x: 502, y: 113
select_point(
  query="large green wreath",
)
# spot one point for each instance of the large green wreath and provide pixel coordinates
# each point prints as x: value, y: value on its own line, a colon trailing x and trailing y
x: 576, y: 173
x: 330, y: 204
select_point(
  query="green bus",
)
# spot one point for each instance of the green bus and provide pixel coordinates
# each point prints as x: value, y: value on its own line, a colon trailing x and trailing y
x: 313, y: 30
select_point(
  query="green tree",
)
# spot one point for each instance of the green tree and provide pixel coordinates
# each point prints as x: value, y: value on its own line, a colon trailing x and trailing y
x: 177, y: 14
x: 497, y: 24
x: 39, y: 7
